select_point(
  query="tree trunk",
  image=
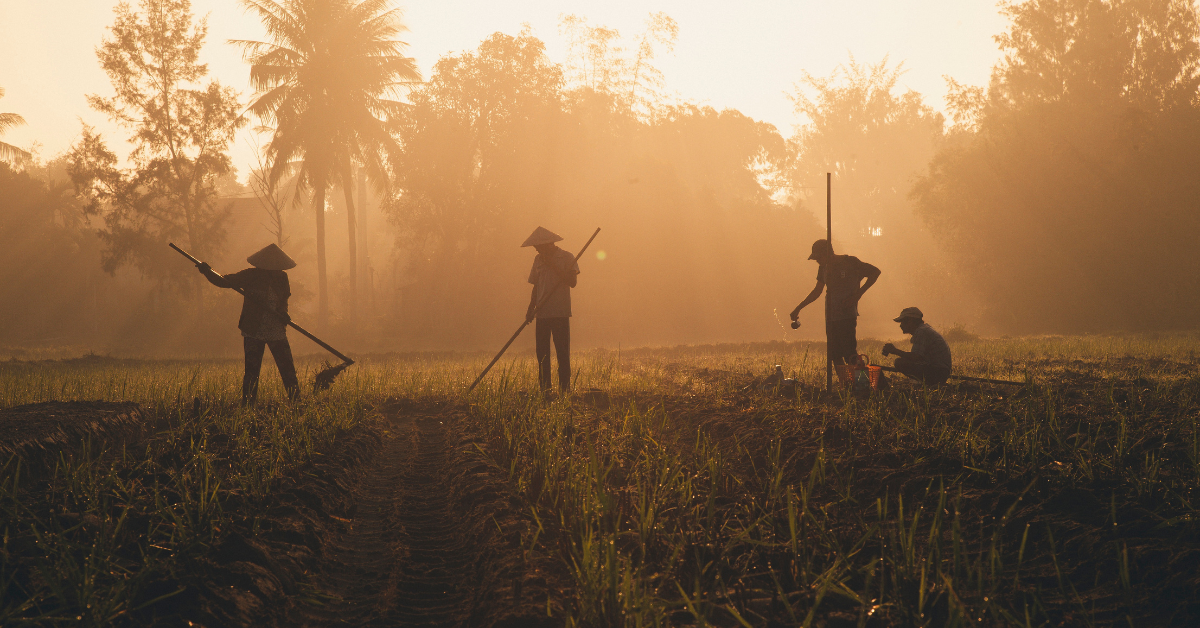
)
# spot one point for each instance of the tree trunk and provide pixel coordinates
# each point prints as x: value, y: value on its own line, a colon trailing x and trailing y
x: 364, y: 227
x: 322, y: 284
x: 352, y: 231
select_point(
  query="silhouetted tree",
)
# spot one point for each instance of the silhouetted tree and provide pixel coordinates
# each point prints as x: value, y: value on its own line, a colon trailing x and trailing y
x: 598, y: 61
x: 8, y: 152
x: 494, y: 146
x: 875, y: 142
x: 274, y: 196
x: 323, y: 83
x: 48, y: 259
x: 1067, y: 191
x: 181, y: 131
x: 595, y: 56
x: 646, y: 82
x: 474, y: 143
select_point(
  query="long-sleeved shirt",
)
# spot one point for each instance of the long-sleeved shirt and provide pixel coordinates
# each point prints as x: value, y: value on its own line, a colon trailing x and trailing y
x: 269, y: 287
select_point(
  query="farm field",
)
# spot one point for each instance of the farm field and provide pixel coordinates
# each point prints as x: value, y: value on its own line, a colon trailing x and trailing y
x: 671, y: 489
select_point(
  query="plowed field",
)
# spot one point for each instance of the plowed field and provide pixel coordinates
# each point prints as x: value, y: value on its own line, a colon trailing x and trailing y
x: 675, y: 487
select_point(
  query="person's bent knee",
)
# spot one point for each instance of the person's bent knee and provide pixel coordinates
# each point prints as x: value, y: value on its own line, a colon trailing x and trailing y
x: 912, y: 370
x: 937, y: 377
x: 905, y: 366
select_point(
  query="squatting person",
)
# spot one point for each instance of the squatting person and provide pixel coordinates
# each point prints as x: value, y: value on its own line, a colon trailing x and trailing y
x: 929, y: 360
x: 843, y: 275
x: 264, y: 316
x: 553, y: 275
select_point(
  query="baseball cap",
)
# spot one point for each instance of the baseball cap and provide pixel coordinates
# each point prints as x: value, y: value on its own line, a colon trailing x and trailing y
x: 909, y: 312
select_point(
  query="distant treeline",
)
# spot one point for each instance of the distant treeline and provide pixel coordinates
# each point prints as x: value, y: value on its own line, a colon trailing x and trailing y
x: 1063, y: 197
x: 693, y: 247
x: 1068, y: 190
x: 56, y: 294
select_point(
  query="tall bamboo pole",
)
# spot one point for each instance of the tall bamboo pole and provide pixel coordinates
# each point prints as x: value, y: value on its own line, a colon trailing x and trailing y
x: 829, y: 238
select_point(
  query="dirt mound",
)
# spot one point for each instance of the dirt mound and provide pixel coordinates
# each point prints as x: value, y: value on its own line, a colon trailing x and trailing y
x: 38, y: 432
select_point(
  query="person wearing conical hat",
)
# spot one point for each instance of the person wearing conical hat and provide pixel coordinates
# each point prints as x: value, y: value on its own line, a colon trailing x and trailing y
x: 264, y: 284
x: 553, y: 275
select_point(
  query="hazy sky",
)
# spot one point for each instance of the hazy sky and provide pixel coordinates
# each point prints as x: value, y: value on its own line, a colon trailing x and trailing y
x: 743, y: 55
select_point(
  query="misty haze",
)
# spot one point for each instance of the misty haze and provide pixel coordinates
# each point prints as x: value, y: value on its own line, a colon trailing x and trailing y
x: 600, y: 314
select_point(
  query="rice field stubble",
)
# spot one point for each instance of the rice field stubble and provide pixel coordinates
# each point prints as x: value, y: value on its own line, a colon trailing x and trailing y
x: 683, y: 495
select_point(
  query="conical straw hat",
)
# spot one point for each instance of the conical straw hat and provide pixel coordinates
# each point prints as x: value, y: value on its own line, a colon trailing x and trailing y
x: 541, y: 236
x: 271, y: 257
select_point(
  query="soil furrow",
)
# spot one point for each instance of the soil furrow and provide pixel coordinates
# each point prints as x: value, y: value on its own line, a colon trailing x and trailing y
x: 358, y: 559
x: 433, y: 581
x: 432, y: 539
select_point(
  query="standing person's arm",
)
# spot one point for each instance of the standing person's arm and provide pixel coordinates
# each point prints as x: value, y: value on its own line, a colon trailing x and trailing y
x: 573, y: 272
x: 532, y: 304
x: 214, y: 278
x: 872, y: 275
x: 812, y: 296
x: 534, y: 277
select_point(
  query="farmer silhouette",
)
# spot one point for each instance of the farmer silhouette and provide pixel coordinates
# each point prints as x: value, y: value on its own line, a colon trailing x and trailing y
x: 265, y: 284
x: 843, y: 275
x: 553, y: 275
x: 929, y: 360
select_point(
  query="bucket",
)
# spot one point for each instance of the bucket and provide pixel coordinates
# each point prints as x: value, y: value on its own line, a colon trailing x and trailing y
x: 847, y: 373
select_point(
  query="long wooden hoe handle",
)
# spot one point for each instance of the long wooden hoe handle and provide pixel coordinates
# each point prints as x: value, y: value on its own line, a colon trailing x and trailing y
x: 526, y: 323
x: 892, y: 369
x: 282, y: 317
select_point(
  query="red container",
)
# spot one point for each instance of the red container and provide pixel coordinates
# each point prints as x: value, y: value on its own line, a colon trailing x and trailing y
x: 847, y: 372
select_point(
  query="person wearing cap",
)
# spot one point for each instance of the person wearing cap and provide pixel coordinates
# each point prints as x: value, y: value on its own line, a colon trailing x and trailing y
x: 264, y: 316
x: 929, y: 360
x: 843, y: 275
x: 553, y: 275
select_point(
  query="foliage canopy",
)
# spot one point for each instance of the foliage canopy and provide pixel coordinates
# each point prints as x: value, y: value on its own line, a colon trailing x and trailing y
x: 1067, y: 193
x: 180, y: 132
x: 324, y: 83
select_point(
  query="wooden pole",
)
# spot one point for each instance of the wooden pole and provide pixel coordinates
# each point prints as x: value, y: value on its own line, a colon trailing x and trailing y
x: 829, y: 238
x: 892, y: 369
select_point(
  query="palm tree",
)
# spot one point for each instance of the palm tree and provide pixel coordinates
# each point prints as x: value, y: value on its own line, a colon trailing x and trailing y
x: 8, y: 152
x: 323, y: 83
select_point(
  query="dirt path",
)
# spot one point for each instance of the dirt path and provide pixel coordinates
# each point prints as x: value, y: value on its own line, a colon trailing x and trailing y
x: 432, y: 540
x: 434, y: 576
x: 358, y: 559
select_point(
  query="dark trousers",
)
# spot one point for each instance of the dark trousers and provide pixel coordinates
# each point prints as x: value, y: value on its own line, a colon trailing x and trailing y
x: 560, y: 329
x: 931, y: 375
x: 282, y: 352
x: 843, y: 340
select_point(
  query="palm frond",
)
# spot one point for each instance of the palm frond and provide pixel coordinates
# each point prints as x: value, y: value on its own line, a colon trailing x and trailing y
x: 14, y: 155
x: 10, y: 120
x: 8, y: 152
x: 322, y: 78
